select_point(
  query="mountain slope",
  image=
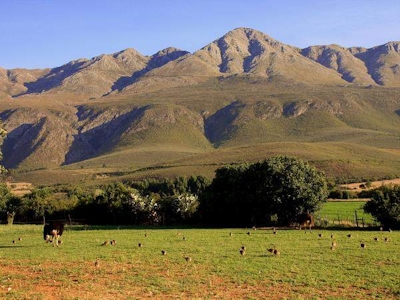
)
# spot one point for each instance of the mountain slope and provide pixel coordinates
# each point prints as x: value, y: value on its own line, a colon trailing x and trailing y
x: 383, y: 63
x: 242, y: 91
x: 248, y: 51
x: 341, y: 60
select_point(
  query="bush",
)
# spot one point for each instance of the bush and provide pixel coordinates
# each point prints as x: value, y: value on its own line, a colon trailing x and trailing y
x: 385, y: 206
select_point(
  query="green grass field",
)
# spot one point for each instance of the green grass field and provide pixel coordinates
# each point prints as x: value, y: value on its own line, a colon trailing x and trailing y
x: 306, y: 268
x: 343, y: 213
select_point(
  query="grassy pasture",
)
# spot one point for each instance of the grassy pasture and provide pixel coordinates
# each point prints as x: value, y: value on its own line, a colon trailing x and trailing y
x: 306, y: 269
x: 343, y: 211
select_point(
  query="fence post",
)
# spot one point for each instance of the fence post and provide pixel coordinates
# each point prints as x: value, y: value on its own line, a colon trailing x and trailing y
x: 355, y: 214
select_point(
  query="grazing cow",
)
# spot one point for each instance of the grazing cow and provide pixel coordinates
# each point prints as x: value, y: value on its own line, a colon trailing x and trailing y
x: 305, y: 220
x: 52, y: 232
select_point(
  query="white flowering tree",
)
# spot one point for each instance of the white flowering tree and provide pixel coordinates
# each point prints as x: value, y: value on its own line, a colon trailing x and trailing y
x: 187, y: 205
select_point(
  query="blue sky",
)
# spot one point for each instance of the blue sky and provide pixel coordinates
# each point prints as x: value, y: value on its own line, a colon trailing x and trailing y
x: 49, y: 33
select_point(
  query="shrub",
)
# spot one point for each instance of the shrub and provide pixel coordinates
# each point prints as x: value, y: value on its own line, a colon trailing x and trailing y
x: 385, y: 205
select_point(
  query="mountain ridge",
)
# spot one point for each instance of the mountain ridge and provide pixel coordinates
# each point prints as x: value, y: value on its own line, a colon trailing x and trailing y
x: 242, y: 90
x: 242, y: 50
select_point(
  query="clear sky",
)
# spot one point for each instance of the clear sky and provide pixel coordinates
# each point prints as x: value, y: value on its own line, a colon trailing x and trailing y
x: 50, y: 33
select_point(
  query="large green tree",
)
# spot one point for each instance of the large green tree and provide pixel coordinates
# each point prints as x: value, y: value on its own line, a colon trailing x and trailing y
x: 280, y: 186
x: 292, y: 185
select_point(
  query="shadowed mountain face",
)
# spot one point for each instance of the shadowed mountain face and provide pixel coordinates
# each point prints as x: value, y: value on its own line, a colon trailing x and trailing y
x: 242, y: 89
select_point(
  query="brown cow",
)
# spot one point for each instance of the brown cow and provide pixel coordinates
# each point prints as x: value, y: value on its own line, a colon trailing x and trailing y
x: 305, y: 220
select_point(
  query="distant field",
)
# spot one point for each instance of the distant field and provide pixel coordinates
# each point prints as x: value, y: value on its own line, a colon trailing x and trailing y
x: 343, y: 213
x: 305, y: 269
x: 356, y: 186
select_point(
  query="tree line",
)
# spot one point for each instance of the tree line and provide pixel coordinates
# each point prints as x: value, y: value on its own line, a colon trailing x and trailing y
x: 270, y: 192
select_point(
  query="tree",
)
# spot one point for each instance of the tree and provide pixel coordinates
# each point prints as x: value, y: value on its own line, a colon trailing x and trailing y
x: 223, y: 202
x: 385, y: 205
x: 294, y: 186
x: 248, y: 195
x: 9, y: 203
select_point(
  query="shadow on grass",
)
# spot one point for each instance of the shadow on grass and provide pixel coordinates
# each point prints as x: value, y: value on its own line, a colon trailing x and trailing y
x: 246, y: 231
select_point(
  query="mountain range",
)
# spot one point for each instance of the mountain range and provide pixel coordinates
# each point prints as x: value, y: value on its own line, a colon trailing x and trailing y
x: 242, y: 97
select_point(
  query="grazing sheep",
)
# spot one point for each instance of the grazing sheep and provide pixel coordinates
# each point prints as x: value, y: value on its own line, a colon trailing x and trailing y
x: 349, y: 235
x: 97, y: 263
x: 320, y: 235
x: 113, y: 242
x: 163, y: 252
x: 242, y: 251
x: 363, y: 245
x: 105, y: 243
x: 140, y: 245
x: 332, y: 236
x: 188, y: 259
x: 230, y: 234
x: 376, y: 239
x: 248, y: 233
x: 386, y: 239
x: 276, y: 252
